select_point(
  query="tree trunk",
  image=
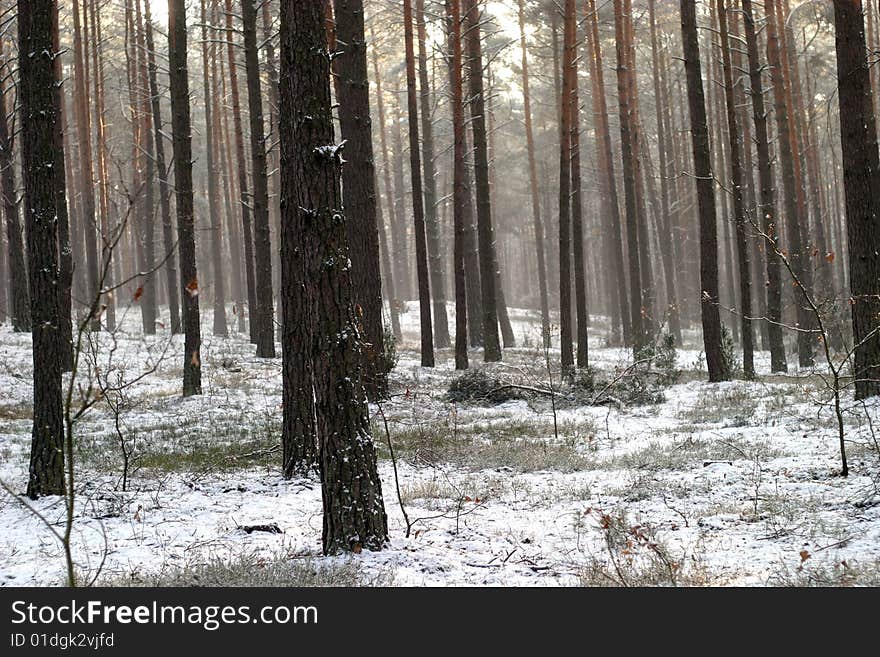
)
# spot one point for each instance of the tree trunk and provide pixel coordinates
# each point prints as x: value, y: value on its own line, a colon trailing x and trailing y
x: 354, y: 512
x: 537, y: 220
x: 358, y: 185
x: 718, y: 368
x: 392, y: 280
x: 264, y: 316
x: 435, y: 259
x: 664, y: 224
x: 614, y: 245
x: 183, y: 185
x: 861, y: 180
x: 795, y: 209
x: 459, y: 183
x: 739, y: 211
x: 246, y: 216
x: 577, y: 229
x: 427, y: 334
x: 37, y: 23
x: 629, y: 157
x: 86, y: 180
x: 211, y: 139
x: 489, y: 307
x: 172, y: 277
x: 767, y: 207
x: 19, y: 306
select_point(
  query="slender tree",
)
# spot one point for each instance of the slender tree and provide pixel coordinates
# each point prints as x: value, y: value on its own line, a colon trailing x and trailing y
x: 459, y: 183
x: 489, y: 300
x: 172, y: 278
x: 183, y: 185
x: 737, y: 177
x: 211, y: 143
x: 614, y: 247
x: 19, y: 306
x: 246, y: 213
x: 630, y: 176
x: 264, y: 315
x: 427, y: 334
x: 767, y: 207
x: 718, y: 367
x: 435, y: 258
x: 358, y: 182
x: 537, y: 220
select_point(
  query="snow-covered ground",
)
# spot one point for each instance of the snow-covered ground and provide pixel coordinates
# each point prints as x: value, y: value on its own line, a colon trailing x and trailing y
x: 720, y: 484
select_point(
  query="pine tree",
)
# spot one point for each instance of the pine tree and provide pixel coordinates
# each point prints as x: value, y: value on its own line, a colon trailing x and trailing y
x: 316, y: 278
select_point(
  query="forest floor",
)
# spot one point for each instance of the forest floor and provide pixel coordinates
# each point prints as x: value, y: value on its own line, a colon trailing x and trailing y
x: 688, y: 483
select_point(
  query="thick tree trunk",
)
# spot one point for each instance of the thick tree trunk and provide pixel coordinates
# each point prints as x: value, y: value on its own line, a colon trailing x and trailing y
x: 718, y: 368
x: 427, y: 334
x: 183, y: 185
x: 354, y: 512
x: 40, y: 116
x: 565, y: 318
x: 861, y: 180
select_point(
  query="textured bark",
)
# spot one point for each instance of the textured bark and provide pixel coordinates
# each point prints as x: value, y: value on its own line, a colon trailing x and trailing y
x: 317, y: 273
x: 358, y: 184
x: 246, y: 216
x: 537, y: 220
x: 738, y: 180
x: 718, y: 368
x: 767, y: 207
x: 614, y: 246
x: 40, y: 115
x: 861, y: 180
x: 427, y: 334
x: 183, y: 185
x: 171, y: 274
x: 264, y: 316
x: 432, y: 223
x: 459, y: 183
x: 489, y: 299
x: 19, y: 306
